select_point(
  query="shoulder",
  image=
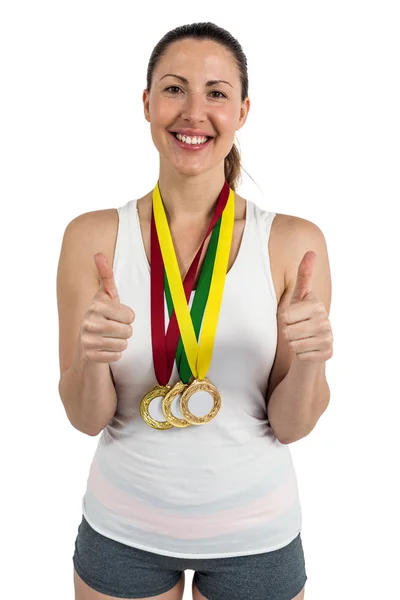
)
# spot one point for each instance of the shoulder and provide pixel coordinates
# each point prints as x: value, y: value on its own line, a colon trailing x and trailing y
x: 295, y: 236
x: 90, y: 221
x: 94, y: 227
x: 92, y: 232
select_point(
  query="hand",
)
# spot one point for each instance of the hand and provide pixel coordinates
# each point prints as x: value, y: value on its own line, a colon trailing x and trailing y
x: 307, y: 327
x: 106, y: 325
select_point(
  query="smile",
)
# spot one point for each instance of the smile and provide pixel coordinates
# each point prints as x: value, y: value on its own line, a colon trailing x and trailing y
x: 198, y: 145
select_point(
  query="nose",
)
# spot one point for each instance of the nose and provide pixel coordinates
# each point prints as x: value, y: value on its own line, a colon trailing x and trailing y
x: 194, y: 108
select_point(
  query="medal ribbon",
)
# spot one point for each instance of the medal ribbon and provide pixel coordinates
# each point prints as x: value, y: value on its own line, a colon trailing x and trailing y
x: 164, y: 344
x: 199, y: 302
x: 199, y: 356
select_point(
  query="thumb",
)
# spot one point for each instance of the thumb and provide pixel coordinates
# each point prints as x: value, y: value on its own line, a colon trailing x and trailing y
x: 304, y: 277
x: 106, y: 275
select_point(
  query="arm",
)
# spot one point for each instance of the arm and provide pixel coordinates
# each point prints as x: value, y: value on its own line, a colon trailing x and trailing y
x: 298, y: 392
x: 88, y: 394
x: 298, y: 401
x: 85, y: 388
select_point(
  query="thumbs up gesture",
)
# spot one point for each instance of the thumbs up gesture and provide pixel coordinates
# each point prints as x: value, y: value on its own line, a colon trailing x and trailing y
x: 105, y: 327
x: 306, y: 322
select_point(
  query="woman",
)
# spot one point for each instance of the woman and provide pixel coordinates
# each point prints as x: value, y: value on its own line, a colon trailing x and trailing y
x: 190, y: 471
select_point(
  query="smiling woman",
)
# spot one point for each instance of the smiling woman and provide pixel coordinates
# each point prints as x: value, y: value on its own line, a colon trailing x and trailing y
x: 212, y: 90
x: 188, y: 472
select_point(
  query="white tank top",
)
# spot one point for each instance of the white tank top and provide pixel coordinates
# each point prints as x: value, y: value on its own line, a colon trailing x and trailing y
x: 225, y: 488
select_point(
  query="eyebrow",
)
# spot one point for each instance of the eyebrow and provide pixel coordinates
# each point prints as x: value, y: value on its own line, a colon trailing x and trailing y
x: 208, y: 84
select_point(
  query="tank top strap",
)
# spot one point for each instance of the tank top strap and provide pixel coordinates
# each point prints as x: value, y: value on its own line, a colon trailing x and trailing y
x: 129, y: 243
x: 253, y: 253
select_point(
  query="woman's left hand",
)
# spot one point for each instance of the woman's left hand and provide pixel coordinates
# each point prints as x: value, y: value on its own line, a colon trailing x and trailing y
x: 307, y: 326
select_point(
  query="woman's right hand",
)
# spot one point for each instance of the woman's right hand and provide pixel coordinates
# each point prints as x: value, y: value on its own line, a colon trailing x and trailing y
x: 105, y: 327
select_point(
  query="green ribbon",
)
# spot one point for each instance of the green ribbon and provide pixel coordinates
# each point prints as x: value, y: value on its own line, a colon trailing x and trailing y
x: 199, y: 301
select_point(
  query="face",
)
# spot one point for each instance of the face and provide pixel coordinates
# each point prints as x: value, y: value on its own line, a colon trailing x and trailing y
x: 183, y: 99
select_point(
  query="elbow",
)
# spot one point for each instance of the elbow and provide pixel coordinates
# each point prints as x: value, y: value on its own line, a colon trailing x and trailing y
x: 92, y: 433
x: 290, y: 440
x: 84, y: 427
x: 81, y: 425
x: 287, y: 437
x: 297, y: 435
x: 284, y: 440
x: 90, y: 429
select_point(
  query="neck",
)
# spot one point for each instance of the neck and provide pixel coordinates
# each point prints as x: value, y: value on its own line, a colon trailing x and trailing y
x: 190, y: 198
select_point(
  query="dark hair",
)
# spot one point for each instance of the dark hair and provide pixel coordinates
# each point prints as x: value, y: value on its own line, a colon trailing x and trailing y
x: 208, y: 31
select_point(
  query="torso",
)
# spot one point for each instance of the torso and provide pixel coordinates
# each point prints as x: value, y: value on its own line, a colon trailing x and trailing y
x: 188, y: 239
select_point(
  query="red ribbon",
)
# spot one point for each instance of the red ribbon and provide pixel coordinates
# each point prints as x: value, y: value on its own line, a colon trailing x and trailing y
x: 164, y: 344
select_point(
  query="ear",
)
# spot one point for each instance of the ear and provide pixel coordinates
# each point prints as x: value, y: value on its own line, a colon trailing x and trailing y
x: 244, y: 111
x: 146, y: 102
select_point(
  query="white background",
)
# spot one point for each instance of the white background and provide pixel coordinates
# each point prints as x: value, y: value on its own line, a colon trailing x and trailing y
x: 321, y: 142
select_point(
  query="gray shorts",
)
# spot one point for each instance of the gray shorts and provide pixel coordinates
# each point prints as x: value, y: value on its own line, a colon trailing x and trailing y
x: 125, y: 572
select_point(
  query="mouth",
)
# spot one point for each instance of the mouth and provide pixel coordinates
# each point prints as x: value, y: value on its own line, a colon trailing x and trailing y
x: 190, y: 146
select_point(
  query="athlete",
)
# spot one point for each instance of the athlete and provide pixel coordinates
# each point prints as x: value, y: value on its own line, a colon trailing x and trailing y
x: 194, y: 333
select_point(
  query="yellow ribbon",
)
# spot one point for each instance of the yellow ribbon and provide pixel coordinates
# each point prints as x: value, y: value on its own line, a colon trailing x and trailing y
x: 198, y: 355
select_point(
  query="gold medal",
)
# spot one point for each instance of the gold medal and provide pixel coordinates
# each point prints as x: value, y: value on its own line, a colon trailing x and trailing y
x: 196, y: 386
x: 156, y: 392
x: 166, y: 405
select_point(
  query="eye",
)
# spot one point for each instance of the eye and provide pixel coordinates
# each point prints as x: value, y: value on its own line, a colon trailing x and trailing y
x: 217, y: 92
x: 172, y: 87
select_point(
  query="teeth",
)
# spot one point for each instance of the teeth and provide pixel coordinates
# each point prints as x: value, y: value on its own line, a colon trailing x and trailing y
x: 191, y: 140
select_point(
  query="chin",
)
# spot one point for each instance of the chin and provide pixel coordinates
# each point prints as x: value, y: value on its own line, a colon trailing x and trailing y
x: 190, y: 169
x: 192, y: 172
